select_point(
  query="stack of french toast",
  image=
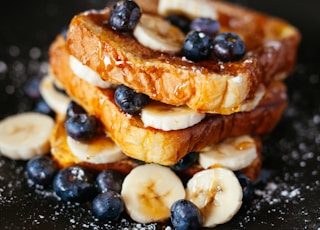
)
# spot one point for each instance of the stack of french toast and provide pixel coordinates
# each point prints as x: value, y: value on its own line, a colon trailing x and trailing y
x: 180, y: 111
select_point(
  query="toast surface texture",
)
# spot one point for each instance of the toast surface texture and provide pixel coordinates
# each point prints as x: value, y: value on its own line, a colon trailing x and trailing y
x: 64, y: 157
x: 205, y: 86
x: 163, y: 147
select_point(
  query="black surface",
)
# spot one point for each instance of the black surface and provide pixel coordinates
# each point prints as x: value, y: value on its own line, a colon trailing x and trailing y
x: 286, y: 197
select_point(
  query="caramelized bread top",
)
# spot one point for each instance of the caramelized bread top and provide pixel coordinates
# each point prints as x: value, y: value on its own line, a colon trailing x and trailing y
x: 206, y: 86
x: 158, y: 146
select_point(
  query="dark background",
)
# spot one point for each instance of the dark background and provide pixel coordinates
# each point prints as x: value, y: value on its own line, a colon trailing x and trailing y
x: 287, y: 195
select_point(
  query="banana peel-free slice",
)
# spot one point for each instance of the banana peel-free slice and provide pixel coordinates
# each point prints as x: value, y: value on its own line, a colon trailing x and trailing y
x: 25, y: 135
x: 149, y: 191
x: 217, y: 193
x: 157, y: 34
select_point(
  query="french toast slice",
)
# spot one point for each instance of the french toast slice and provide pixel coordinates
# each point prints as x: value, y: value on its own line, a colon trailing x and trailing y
x: 158, y: 146
x: 205, y: 86
x: 64, y: 156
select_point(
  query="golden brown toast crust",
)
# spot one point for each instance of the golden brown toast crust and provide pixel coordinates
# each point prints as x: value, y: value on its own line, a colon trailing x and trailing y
x: 163, y: 147
x: 203, y: 86
x: 64, y: 157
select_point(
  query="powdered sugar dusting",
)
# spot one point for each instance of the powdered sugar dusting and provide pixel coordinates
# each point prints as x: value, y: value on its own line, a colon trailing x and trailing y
x: 284, y: 197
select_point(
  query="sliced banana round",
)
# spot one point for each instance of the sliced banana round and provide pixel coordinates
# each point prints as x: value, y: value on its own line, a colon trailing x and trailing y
x: 217, y: 193
x: 87, y: 74
x: 168, y: 117
x: 233, y: 153
x: 100, y: 150
x: 57, y: 101
x: 157, y: 34
x: 190, y: 8
x: 149, y: 191
x: 25, y: 135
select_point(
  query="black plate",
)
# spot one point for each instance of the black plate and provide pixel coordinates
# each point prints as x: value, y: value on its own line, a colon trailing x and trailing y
x: 287, y: 194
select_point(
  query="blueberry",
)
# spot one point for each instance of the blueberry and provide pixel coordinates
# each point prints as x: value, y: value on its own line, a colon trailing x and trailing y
x: 246, y: 185
x: 64, y: 32
x: 31, y: 88
x: 41, y: 170
x: 180, y: 21
x: 109, y: 180
x: 197, y: 46
x: 206, y: 25
x: 107, y: 206
x: 124, y: 16
x: 82, y: 127
x: 186, y: 162
x: 129, y: 100
x: 75, y: 184
x: 185, y: 215
x: 42, y: 107
x: 228, y: 47
x: 74, y: 109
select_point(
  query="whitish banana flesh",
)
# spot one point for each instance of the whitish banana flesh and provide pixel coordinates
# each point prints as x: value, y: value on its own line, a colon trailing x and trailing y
x: 100, y: 150
x: 167, y: 117
x: 56, y: 100
x: 233, y: 153
x: 217, y: 193
x: 149, y: 191
x: 25, y: 135
x: 190, y: 8
x: 87, y: 74
x: 157, y: 34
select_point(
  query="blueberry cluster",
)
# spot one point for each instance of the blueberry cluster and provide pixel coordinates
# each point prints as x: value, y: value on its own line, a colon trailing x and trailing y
x: 203, y: 40
x: 102, y: 190
x: 79, y: 184
x: 202, y: 34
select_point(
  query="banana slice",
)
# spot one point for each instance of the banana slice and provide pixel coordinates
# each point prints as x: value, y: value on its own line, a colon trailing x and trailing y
x: 56, y: 100
x: 249, y: 104
x: 149, y: 191
x: 232, y: 153
x: 25, y: 135
x: 217, y: 193
x: 157, y: 34
x: 87, y: 74
x: 190, y: 8
x: 168, y: 117
x: 100, y: 150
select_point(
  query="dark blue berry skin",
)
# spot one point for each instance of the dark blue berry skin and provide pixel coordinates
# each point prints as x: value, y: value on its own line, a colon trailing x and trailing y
x: 180, y: 21
x: 109, y: 180
x: 41, y: 170
x: 246, y: 185
x: 42, y: 107
x: 128, y: 100
x: 185, y: 215
x: 197, y: 46
x: 206, y: 25
x: 74, y: 109
x: 64, y: 32
x: 124, y: 16
x: 228, y: 47
x: 82, y: 127
x: 186, y: 162
x: 31, y: 88
x: 108, y: 206
x: 74, y: 184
